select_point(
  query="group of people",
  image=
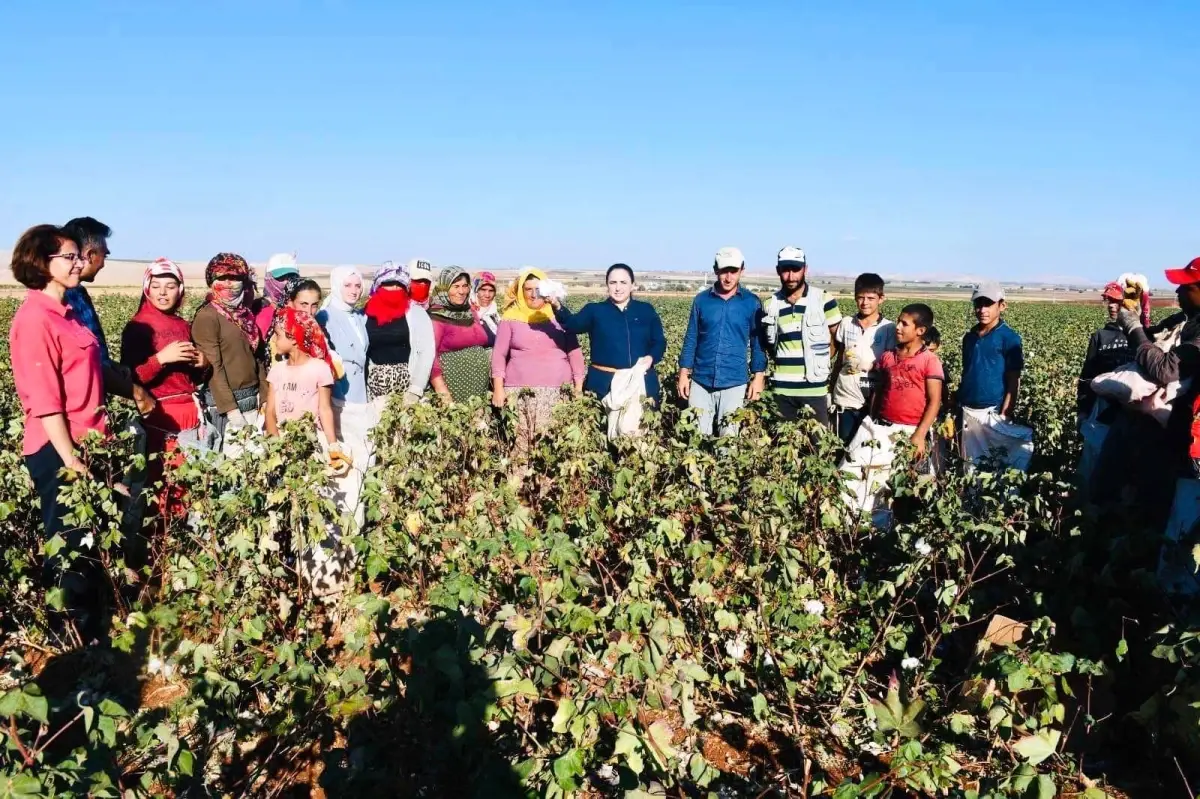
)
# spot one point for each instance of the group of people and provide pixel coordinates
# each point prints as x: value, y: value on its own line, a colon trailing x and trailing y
x: 1139, y: 396
x: 251, y: 360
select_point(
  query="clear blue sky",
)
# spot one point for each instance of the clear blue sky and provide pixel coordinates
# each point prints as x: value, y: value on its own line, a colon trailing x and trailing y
x: 1008, y: 139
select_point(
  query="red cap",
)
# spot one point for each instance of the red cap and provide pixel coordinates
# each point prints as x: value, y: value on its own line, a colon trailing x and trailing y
x: 1113, y: 291
x: 1186, y: 276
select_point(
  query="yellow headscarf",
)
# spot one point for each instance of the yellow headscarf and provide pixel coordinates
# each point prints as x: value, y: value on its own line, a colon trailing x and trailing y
x: 515, y: 307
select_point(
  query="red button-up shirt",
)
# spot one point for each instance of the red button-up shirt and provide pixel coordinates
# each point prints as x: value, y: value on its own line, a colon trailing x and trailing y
x: 56, y: 366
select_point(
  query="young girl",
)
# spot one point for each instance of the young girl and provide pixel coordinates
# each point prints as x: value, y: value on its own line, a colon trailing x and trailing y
x: 302, y: 382
x: 911, y: 378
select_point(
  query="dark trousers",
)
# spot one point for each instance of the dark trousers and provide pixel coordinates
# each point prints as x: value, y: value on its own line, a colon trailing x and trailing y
x: 81, y: 578
x: 847, y: 422
x: 790, y: 408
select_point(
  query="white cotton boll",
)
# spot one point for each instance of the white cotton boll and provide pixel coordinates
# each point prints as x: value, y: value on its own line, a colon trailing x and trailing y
x: 736, y: 648
x: 155, y: 665
x: 88, y: 541
x: 608, y: 774
x: 910, y: 664
x: 922, y: 547
x: 814, y: 607
x: 768, y: 660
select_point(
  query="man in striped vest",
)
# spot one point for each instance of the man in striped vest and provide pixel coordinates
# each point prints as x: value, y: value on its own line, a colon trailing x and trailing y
x: 800, y: 321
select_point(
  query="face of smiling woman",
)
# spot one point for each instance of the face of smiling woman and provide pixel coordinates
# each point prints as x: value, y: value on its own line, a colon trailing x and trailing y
x: 164, y: 293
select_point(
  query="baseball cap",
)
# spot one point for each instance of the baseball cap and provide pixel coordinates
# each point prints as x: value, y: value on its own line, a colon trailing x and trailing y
x: 729, y: 257
x: 283, y: 262
x: 1113, y: 291
x: 988, y: 290
x: 419, y: 269
x: 1187, y: 275
x: 791, y: 256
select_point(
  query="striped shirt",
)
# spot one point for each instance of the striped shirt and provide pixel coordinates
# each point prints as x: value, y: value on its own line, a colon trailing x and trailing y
x: 790, y: 375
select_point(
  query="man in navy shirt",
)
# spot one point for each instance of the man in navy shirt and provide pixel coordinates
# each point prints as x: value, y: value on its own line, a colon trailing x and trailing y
x: 725, y: 321
x: 992, y: 358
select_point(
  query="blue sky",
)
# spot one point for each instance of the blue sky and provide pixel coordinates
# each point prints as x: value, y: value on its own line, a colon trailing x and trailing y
x: 1006, y: 139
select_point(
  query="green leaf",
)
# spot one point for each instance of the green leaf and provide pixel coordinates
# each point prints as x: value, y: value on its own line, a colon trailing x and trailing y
x: 1045, y: 787
x: 37, y: 707
x: 1036, y: 748
x: 760, y: 706
x: 562, y: 717
x: 186, y: 762
x: 10, y: 703
x: 567, y: 768
x: 25, y: 785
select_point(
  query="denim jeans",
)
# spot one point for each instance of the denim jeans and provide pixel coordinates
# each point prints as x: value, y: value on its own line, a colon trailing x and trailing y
x: 715, y: 407
x: 848, y: 420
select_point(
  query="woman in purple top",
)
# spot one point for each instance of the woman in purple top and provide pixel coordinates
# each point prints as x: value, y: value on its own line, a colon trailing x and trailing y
x: 460, y: 370
x: 533, y: 358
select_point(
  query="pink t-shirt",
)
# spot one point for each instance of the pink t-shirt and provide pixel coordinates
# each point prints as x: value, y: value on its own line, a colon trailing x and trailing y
x: 56, y: 367
x: 902, y: 385
x: 297, y: 389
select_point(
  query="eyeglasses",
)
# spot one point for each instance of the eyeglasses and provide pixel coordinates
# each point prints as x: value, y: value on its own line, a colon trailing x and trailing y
x: 71, y: 257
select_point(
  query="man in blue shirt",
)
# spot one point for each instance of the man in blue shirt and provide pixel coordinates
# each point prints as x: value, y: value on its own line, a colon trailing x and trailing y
x: 725, y: 320
x: 992, y: 358
x: 93, y: 238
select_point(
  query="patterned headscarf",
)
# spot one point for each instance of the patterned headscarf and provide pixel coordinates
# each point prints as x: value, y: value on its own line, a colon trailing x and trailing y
x: 515, y: 307
x: 232, y: 305
x: 302, y: 328
x: 442, y: 308
x: 280, y: 269
x: 481, y: 280
x: 162, y: 267
x: 389, y: 272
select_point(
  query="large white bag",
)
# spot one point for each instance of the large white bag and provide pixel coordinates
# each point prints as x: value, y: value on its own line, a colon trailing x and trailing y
x: 985, y: 433
x: 868, y: 461
x: 1126, y: 384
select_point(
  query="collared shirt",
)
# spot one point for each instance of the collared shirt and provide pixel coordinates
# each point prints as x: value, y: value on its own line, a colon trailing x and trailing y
x: 985, y: 361
x: 81, y: 303
x: 56, y: 368
x: 718, y: 333
x: 862, y: 347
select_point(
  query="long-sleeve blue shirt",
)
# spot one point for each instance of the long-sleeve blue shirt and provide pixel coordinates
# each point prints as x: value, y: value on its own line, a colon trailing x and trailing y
x: 618, y: 339
x: 719, y: 331
x: 347, y: 334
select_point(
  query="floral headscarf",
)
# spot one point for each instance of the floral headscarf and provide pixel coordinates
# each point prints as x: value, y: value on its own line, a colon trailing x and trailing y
x: 389, y: 272
x: 515, y: 307
x: 232, y: 303
x: 442, y: 308
x: 481, y: 280
x: 162, y: 267
x: 302, y: 328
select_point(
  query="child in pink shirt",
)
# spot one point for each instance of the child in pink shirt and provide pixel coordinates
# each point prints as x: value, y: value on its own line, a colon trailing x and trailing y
x: 303, y: 382
x: 911, y: 377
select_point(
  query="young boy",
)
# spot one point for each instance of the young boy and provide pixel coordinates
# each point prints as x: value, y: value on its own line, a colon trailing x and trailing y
x: 992, y: 357
x: 910, y: 378
x: 861, y: 341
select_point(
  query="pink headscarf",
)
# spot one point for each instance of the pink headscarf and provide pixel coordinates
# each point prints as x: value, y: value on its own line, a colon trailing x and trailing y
x: 162, y: 267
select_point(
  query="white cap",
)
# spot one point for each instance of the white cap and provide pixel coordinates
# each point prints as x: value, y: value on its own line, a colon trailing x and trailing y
x: 988, y: 289
x: 729, y: 257
x: 420, y: 269
x: 281, y: 260
x: 791, y: 255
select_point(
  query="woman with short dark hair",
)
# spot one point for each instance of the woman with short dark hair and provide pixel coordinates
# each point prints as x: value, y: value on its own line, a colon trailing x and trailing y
x: 56, y: 364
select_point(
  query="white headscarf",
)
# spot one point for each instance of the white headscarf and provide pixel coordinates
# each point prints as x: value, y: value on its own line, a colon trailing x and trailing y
x: 337, y: 283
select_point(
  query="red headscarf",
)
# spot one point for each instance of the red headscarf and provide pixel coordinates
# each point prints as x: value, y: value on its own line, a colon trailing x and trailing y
x: 302, y: 328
